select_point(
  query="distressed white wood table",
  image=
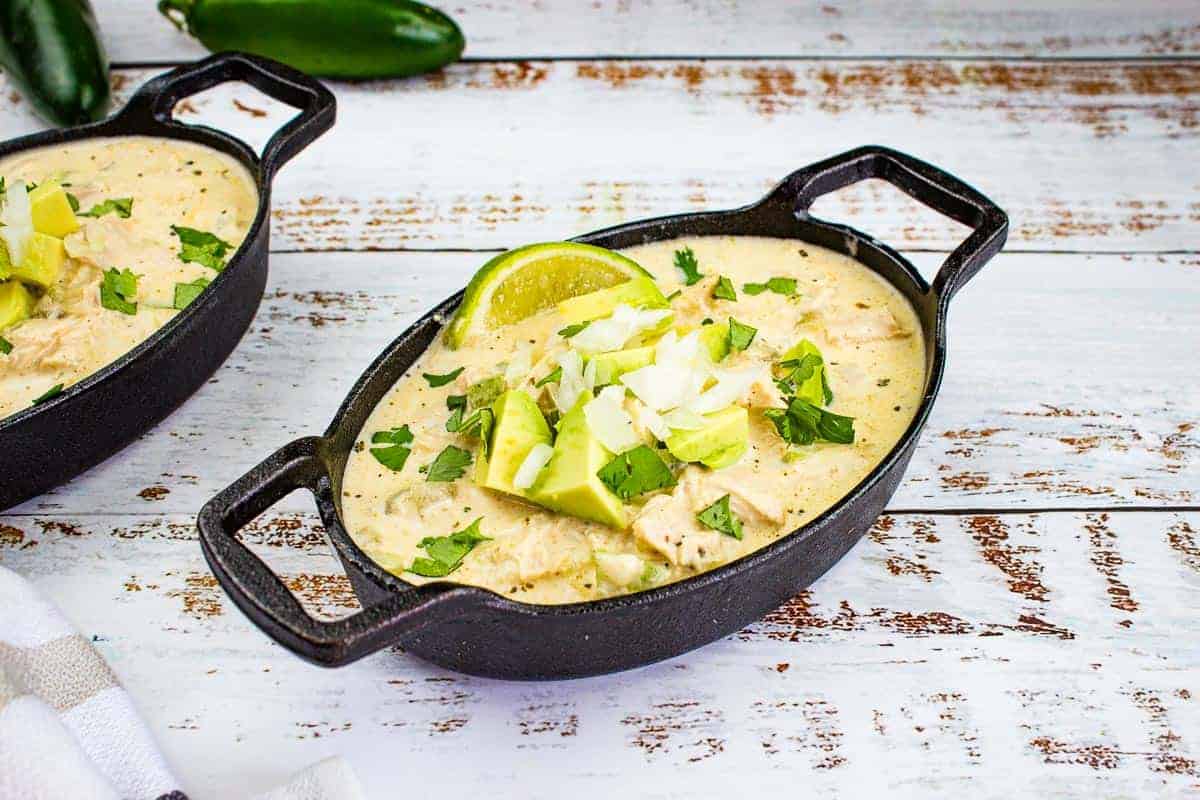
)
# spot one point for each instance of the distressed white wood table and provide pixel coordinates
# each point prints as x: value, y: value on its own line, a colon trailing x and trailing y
x: 1025, y: 620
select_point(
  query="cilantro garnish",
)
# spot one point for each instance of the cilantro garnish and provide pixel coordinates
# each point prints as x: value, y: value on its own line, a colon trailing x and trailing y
x: 446, y: 553
x: 51, y: 393
x: 441, y: 380
x: 119, y: 290
x: 686, y: 261
x: 674, y: 294
x: 740, y: 336
x: 121, y: 206
x: 399, y: 446
x: 783, y: 286
x: 720, y: 518
x: 457, y: 403
x: 5, y: 346
x: 201, y: 247
x: 448, y: 465
x: 724, y: 290
x: 73, y: 202
x: 635, y: 472
x: 804, y: 374
x: 185, y: 293
x: 554, y: 376
x: 804, y: 423
x: 571, y: 330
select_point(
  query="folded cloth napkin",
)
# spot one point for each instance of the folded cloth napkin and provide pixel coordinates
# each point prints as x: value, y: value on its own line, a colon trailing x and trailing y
x: 68, y: 729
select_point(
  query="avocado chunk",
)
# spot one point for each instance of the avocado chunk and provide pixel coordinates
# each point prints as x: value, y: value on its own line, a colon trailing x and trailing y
x: 569, y: 482
x: 51, y: 210
x: 16, y: 303
x: 614, y: 364
x: 714, y: 337
x: 814, y: 388
x: 721, y: 441
x: 5, y: 262
x: 640, y: 292
x: 518, y: 427
x: 43, y: 261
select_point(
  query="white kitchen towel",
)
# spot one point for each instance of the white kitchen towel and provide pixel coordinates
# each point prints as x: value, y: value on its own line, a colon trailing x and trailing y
x: 68, y: 729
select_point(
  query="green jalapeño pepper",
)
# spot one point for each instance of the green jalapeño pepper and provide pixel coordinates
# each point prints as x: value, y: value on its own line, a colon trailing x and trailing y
x: 329, y: 38
x: 51, y: 51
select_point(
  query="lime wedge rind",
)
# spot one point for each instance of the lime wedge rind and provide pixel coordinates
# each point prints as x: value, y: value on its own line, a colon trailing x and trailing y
x: 526, y: 280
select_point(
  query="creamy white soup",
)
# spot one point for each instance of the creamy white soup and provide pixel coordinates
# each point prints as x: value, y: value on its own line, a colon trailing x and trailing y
x: 104, y: 241
x: 740, y: 406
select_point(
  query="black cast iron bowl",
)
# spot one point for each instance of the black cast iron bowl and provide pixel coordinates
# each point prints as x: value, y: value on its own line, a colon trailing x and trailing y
x: 477, y: 631
x: 48, y: 444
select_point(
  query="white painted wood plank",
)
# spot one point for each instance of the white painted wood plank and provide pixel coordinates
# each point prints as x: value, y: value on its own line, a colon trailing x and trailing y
x: 1064, y: 388
x: 1039, y: 652
x: 494, y: 29
x: 1083, y: 156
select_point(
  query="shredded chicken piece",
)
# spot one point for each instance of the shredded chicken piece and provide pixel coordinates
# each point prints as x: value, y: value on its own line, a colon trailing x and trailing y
x: 864, y: 324
x: 668, y: 522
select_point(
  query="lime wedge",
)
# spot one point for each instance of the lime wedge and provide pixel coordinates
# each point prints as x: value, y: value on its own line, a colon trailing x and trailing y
x: 522, y: 282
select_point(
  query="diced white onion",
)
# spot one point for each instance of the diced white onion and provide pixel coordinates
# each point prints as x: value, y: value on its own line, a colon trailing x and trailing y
x: 613, y: 332
x: 571, y: 385
x: 589, y: 375
x: 663, y: 386
x: 17, y: 217
x: 518, y: 368
x: 731, y: 386
x: 535, y: 461
x: 652, y: 420
x: 608, y: 420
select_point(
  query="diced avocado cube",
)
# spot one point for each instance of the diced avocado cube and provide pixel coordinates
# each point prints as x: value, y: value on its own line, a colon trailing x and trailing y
x: 714, y: 337
x: 43, y: 262
x: 51, y: 210
x: 518, y: 427
x: 569, y: 483
x: 16, y: 303
x: 614, y: 364
x: 5, y: 262
x: 721, y: 441
x: 640, y: 292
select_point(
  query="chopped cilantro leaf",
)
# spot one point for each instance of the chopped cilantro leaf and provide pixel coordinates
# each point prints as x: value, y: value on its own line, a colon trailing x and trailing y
x: 783, y: 286
x: 448, y: 465
x: 121, y: 206
x: 571, y: 330
x: 398, y: 443
x: 51, y: 393
x: 441, y: 380
x: 724, y: 290
x: 635, y: 472
x: 5, y: 346
x: 740, y: 336
x: 554, y: 376
x: 804, y: 423
x: 201, y: 247
x: 686, y: 261
x: 454, y: 401
x: 674, y: 294
x: 73, y: 202
x: 446, y: 553
x: 185, y: 293
x: 720, y: 518
x: 118, y: 291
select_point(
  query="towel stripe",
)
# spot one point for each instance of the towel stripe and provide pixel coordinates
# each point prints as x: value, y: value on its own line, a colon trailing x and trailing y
x: 63, y: 672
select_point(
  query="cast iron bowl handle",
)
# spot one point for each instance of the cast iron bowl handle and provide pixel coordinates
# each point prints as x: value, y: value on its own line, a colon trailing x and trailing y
x: 924, y: 182
x: 156, y: 99
x: 264, y: 598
